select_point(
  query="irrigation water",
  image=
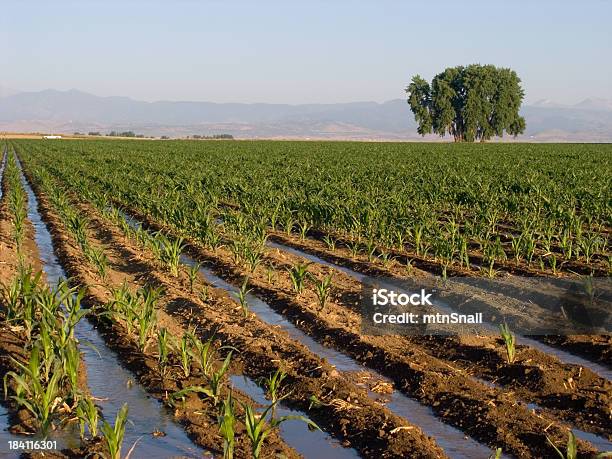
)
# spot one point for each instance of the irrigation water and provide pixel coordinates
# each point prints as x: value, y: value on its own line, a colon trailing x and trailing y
x: 108, y: 380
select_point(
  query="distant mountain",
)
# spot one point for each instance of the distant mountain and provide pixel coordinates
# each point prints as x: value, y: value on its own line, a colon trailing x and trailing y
x: 4, y: 91
x: 595, y: 104
x: 69, y: 111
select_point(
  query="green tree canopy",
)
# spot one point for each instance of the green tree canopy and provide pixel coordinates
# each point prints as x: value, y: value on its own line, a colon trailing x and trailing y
x: 470, y: 103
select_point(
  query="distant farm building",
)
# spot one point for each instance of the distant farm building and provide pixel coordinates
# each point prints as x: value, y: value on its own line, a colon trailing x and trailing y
x: 52, y: 136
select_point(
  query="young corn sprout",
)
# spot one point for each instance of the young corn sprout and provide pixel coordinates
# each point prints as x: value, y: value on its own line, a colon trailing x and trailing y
x: 227, y: 422
x: 259, y: 427
x: 98, y: 258
x: 323, y: 290
x: 571, y: 449
x: 163, y: 352
x: 273, y: 383
x: 330, y: 242
x: 71, y: 358
x: 298, y: 275
x: 171, y: 254
x: 113, y: 435
x: 88, y: 415
x: 241, y: 296
x: 41, y: 398
x: 203, y: 353
x: 185, y: 354
x: 509, y: 341
x: 180, y: 395
x: 145, y: 316
x: 216, y: 378
x: 193, y: 275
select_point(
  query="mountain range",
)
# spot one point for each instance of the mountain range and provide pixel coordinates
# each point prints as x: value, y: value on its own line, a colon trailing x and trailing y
x: 71, y: 111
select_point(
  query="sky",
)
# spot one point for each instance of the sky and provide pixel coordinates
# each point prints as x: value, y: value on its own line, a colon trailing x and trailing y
x: 308, y: 51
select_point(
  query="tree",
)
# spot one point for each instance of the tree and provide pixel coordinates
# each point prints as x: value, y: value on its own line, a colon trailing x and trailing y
x: 470, y: 103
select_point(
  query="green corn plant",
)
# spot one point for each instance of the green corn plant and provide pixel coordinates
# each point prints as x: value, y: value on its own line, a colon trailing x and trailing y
x: 113, y: 436
x: 258, y: 427
x: 304, y: 227
x: 163, y: 352
x: 145, y: 316
x: 171, y: 254
x: 216, y: 378
x: 46, y: 344
x: 71, y: 359
x: 289, y: 223
x: 323, y: 290
x: 253, y: 259
x: 330, y: 242
x: 72, y: 301
x: 273, y: 384
x: 204, y: 294
x: 98, y: 258
x: 88, y: 415
x: 180, y: 395
x: 203, y: 353
x: 354, y: 247
x: 298, y: 274
x: 145, y: 324
x: 185, y: 354
x: 241, y: 296
x: 571, y: 449
x: 227, y: 423
x: 385, y: 258
x: 40, y: 398
x: 509, y: 341
x: 193, y: 275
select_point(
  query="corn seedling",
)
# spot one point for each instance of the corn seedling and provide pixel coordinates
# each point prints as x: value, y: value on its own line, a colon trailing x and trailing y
x: 216, y: 378
x: 509, y: 341
x: 241, y: 296
x: 71, y: 358
x: 185, y: 354
x: 88, y: 415
x: 40, y: 398
x: 163, y: 352
x: 273, y: 384
x: 193, y: 275
x: 323, y: 290
x: 298, y: 274
x: 98, y: 258
x: 180, y: 395
x: 258, y: 427
x: 571, y: 449
x: 113, y: 436
x: 227, y: 422
x: 171, y: 254
x: 203, y: 353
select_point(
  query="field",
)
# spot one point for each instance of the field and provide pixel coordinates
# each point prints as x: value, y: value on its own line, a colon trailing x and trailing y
x: 226, y: 277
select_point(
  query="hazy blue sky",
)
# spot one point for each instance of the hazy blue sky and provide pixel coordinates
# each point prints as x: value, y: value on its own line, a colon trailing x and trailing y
x: 306, y: 51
